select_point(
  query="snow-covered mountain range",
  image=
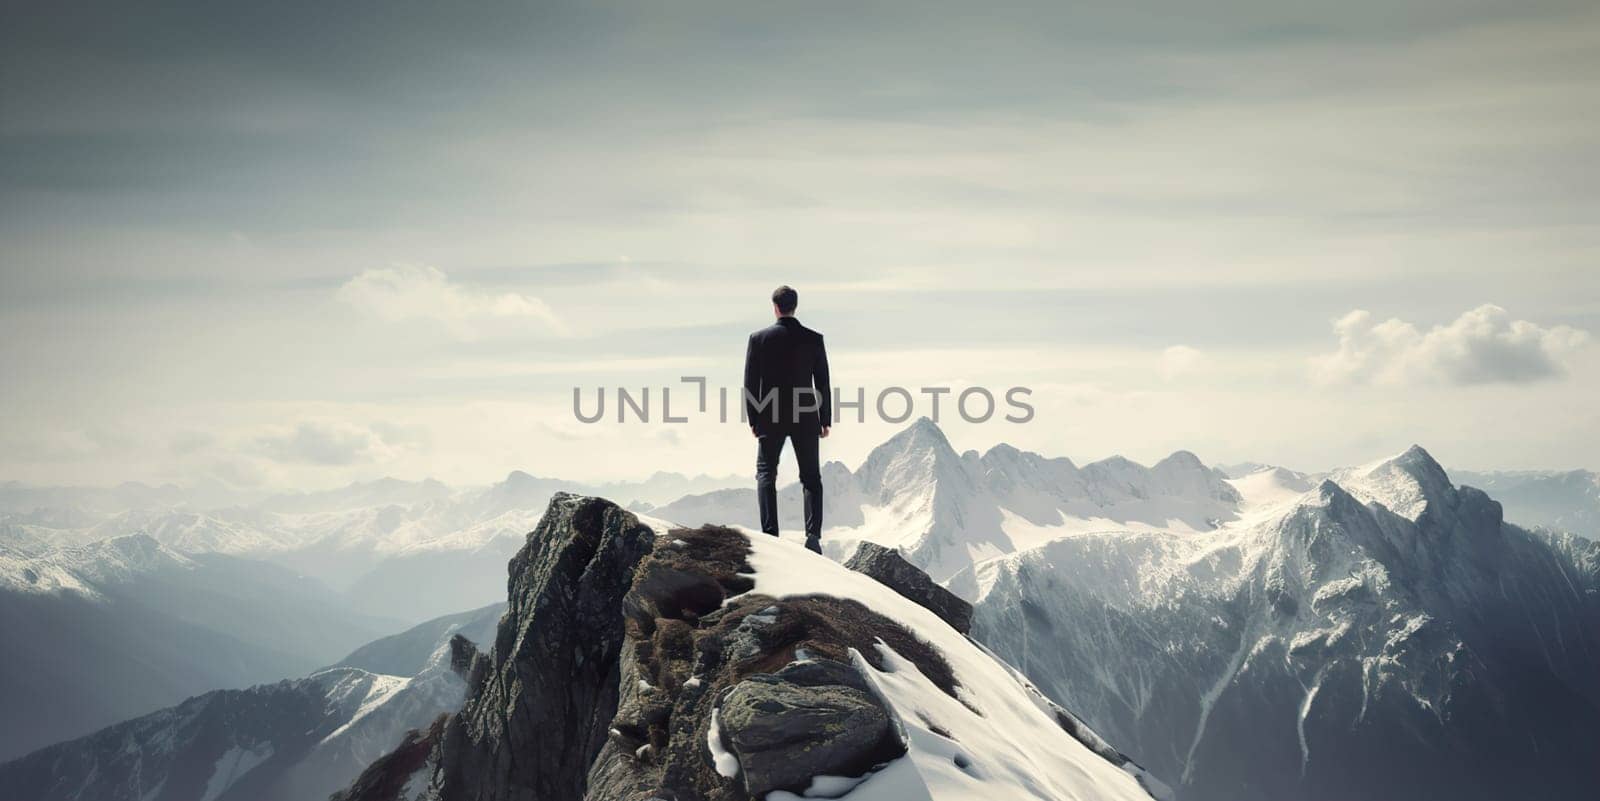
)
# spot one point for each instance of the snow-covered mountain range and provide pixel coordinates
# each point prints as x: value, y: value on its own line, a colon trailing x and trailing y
x: 948, y: 511
x: 1249, y: 633
x: 285, y: 741
x: 1260, y: 636
x: 401, y: 549
x: 1382, y: 634
x: 101, y: 632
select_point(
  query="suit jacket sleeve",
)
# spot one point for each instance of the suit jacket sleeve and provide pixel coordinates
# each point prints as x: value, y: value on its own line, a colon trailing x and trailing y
x: 752, y: 381
x: 819, y: 376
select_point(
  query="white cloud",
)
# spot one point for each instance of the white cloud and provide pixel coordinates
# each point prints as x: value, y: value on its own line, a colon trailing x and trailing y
x: 1181, y: 360
x: 326, y: 444
x: 1482, y: 346
x: 419, y: 292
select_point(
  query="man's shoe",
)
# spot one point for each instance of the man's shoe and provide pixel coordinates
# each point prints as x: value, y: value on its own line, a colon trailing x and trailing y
x: 814, y: 544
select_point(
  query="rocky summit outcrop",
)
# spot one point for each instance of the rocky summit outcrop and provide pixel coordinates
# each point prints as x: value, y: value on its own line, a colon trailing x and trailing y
x: 634, y: 664
x: 889, y: 567
x: 539, y: 702
x: 731, y: 694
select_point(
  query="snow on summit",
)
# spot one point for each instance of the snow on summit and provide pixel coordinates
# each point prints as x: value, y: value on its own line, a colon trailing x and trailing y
x: 1405, y: 484
x: 84, y: 569
x: 1000, y: 740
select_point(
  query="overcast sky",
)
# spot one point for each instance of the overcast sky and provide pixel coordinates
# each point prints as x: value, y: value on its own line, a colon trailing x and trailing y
x: 297, y: 244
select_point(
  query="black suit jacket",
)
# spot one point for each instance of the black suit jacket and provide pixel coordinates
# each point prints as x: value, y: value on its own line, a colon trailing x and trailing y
x: 786, y: 361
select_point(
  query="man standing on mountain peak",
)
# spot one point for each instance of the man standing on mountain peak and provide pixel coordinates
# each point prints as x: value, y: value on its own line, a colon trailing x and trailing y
x: 787, y: 396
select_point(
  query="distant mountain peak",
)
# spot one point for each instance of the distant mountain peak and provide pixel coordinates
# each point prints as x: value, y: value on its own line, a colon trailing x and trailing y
x: 1408, y: 484
x: 1007, y: 454
x: 1418, y: 462
x: 923, y: 431
x: 1332, y: 495
x: 1116, y: 460
x: 135, y: 550
x: 1182, y: 457
x: 919, y: 456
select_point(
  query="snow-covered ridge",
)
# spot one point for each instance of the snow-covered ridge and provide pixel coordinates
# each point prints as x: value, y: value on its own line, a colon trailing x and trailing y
x: 86, y: 569
x: 998, y: 741
x: 947, y: 511
x: 1272, y: 501
x: 375, y: 708
x: 1406, y: 484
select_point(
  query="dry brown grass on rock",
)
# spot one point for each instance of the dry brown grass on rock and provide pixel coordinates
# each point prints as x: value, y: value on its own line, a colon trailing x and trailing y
x: 694, y: 632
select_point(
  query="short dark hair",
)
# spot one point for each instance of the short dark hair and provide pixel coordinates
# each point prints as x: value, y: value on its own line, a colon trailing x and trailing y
x: 785, y: 298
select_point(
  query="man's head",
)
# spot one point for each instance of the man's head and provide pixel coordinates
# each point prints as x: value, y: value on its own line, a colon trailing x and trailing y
x: 784, y: 300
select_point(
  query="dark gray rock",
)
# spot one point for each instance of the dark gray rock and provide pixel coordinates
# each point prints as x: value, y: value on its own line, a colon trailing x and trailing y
x: 784, y: 734
x: 679, y: 669
x: 537, y: 713
x: 462, y: 654
x: 892, y: 570
x: 819, y: 672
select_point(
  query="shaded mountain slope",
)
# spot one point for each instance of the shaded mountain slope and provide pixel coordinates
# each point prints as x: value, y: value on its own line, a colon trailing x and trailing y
x: 285, y: 741
x: 121, y: 627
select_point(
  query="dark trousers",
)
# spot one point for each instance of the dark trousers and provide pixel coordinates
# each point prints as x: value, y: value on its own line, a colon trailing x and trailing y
x: 805, y: 454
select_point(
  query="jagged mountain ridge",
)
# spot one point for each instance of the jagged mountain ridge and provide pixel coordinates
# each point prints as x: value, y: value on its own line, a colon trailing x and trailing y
x: 1385, y: 618
x: 947, y: 511
x: 1559, y: 500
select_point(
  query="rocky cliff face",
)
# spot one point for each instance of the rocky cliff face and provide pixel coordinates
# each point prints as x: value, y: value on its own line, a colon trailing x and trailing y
x: 534, y: 720
x: 638, y: 664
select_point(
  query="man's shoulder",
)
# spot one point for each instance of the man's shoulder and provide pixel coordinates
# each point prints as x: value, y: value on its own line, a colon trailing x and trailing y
x: 809, y: 333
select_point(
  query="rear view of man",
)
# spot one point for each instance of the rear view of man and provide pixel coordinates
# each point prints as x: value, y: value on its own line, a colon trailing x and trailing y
x: 787, y: 396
